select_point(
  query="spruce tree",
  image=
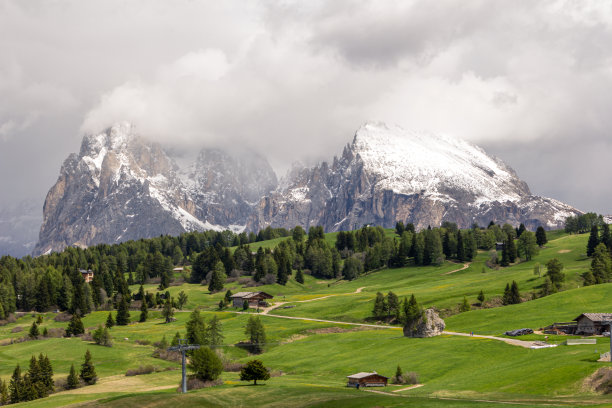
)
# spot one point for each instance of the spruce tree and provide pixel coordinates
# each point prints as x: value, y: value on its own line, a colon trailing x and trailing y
x: 4, y: 394
x: 393, y: 305
x: 256, y: 332
x: 460, y: 247
x: 606, y: 237
x: 214, y: 332
x: 505, y: 261
x: 593, y: 240
x: 379, y: 306
x: 299, y: 276
x: 88, y: 371
x: 123, y: 314
x: 481, y: 297
x: 35, y: 388
x: 182, y: 299
x: 110, y: 322
x: 168, y: 311
x: 601, y: 264
x: 46, y: 371
x: 506, y: 299
x: 217, y: 278
x: 175, y: 339
x: 515, y: 295
x: 72, y: 381
x: 520, y: 230
x: 34, y: 332
x: 511, y: 249
x: 16, y: 386
x: 412, y: 311
x: 75, y: 326
x: 196, y: 328
x: 144, y: 311
x: 541, y: 238
x: 554, y: 270
x: 398, y: 377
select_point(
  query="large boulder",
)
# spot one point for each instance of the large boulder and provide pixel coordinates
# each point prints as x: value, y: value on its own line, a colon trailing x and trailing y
x: 429, y: 325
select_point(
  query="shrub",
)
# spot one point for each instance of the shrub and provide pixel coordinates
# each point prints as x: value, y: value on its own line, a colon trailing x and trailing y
x: 143, y: 342
x: 193, y: 383
x: 206, y: 364
x: 102, y: 337
x: 141, y: 370
x: 62, y: 317
x: 174, y: 356
x: 232, y: 367
x: 16, y: 329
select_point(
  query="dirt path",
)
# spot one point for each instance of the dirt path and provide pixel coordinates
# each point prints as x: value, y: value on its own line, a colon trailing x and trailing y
x: 514, y: 342
x: 465, y: 266
x: 409, y: 388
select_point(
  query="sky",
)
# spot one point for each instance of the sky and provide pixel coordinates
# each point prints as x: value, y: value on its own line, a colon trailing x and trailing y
x: 529, y: 81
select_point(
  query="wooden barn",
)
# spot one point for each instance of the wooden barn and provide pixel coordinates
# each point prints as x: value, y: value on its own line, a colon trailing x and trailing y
x: 592, y: 323
x: 88, y: 275
x: 372, y: 379
x: 255, y: 299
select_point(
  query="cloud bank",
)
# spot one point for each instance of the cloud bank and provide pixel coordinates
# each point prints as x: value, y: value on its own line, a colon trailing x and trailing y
x: 293, y: 80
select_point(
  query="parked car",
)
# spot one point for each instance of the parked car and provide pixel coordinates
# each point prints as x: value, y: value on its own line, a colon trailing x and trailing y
x: 519, y: 332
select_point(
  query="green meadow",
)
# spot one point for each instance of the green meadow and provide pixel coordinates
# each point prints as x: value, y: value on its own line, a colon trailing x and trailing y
x: 310, y: 360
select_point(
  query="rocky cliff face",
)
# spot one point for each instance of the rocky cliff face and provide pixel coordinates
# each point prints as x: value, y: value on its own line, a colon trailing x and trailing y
x: 388, y: 174
x: 122, y: 187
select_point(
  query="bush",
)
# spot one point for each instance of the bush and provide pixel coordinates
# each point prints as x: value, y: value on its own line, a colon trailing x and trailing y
x: 232, y: 367
x: 62, y: 317
x: 102, y: 337
x: 143, y: 342
x: 174, y: 356
x: 16, y: 329
x: 56, y: 332
x: 148, y: 369
x: 206, y: 364
x: 193, y: 383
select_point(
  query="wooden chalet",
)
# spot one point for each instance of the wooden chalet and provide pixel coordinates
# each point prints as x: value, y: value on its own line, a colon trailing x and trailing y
x: 255, y: 299
x: 88, y: 275
x: 372, y: 379
x: 593, y: 323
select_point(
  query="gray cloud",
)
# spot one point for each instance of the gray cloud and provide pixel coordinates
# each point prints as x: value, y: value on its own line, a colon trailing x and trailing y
x: 527, y: 80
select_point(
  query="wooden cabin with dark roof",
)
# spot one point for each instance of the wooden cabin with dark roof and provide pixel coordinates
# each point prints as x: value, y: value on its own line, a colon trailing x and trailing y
x: 372, y: 379
x: 255, y: 299
x: 590, y: 324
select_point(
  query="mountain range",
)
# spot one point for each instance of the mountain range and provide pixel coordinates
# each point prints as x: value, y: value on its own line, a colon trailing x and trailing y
x: 121, y: 186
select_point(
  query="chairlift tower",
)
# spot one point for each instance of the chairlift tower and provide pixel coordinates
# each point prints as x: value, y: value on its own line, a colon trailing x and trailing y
x: 183, y: 346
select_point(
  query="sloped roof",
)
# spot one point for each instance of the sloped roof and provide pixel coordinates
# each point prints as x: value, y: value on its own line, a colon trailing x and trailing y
x: 364, y: 375
x: 596, y: 317
x: 247, y: 295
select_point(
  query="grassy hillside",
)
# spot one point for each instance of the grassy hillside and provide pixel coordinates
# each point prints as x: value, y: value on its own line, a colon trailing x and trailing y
x: 315, y: 357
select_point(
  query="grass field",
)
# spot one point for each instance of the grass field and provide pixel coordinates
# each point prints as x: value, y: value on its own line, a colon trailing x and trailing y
x: 315, y: 357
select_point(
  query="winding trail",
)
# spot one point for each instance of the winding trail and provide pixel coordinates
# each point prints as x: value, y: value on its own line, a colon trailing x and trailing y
x: 465, y: 266
x: 278, y: 304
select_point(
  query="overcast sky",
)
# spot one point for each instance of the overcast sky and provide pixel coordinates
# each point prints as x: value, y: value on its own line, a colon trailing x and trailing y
x: 529, y: 81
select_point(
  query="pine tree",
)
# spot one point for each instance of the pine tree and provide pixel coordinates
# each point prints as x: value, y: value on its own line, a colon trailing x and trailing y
x: 217, y: 278
x: 45, y: 332
x: 168, y: 311
x: 299, y: 276
x: 175, y: 339
x: 547, y: 287
x: 593, y: 240
x: 214, y: 332
x: 481, y: 297
x: 541, y: 236
x: 393, y: 305
x: 254, y: 370
x: 35, y: 388
x: 515, y: 295
x: 245, y: 305
x: 398, y: 378
x: 88, y: 371
x: 144, y: 311
x: 379, y: 306
x: 72, y: 381
x: 16, y: 386
x: 110, y: 322
x: 206, y: 364
x: 256, y: 332
x: 505, y: 261
x: 511, y: 249
x: 506, y: 299
x: 182, y: 299
x: 520, y: 230
x: 412, y: 311
x: 601, y: 265
x: 196, y: 329
x: 4, y: 394
x: 123, y: 314
x: 460, y: 247
x: 554, y: 271
x: 46, y: 373
x: 606, y: 237
x: 34, y: 332
x: 75, y: 326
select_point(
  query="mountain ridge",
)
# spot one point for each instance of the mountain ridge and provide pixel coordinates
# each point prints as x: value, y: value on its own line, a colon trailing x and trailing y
x: 119, y: 182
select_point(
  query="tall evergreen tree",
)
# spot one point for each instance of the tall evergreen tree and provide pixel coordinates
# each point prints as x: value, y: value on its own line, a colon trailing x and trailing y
x: 46, y: 373
x: 75, y: 326
x: 554, y: 270
x: 593, y: 240
x: 299, y: 276
x: 541, y: 237
x: 110, y: 322
x: 601, y: 265
x: 217, y: 278
x: 511, y: 249
x: 4, y: 393
x: 214, y: 332
x: 460, y: 247
x: 515, y: 295
x: 606, y: 237
x: 465, y: 306
x: 34, y: 332
x: 72, y: 381
x: 481, y: 297
x: 16, y: 386
x: 123, y: 313
x: 507, y: 298
x: 379, y: 306
x: 168, y: 310
x: 256, y: 332
x: 88, y: 371
x: 144, y: 311
x: 520, y: 230
x: 393, y: 305
x: 196, y: 329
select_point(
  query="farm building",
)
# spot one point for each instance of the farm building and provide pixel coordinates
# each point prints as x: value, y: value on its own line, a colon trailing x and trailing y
x: 372, y: 379
x: 178, y: 269
x: 88, y: 275
x: 254, y: 298
x: 592, y: 323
